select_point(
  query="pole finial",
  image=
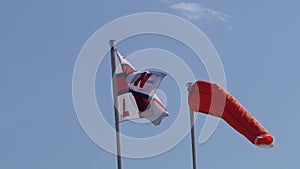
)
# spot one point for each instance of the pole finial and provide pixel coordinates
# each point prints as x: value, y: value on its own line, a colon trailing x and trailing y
x: 112, y: 43
x: 188, y: 85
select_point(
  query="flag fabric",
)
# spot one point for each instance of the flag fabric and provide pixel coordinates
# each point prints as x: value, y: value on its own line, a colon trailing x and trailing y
x: 136, y: 96
x: 145, y: 82
x: 156, y: 111
x: 208, y: 97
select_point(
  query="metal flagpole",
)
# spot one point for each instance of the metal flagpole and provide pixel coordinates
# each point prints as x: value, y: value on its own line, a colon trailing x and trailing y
x: 117, y: 127
x: 192, y: 131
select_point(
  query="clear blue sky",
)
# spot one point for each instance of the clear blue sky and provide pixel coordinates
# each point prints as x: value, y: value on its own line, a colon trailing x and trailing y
x: 258, y: 43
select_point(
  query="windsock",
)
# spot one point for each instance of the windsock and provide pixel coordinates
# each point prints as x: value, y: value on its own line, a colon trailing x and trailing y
x: 212, y: 99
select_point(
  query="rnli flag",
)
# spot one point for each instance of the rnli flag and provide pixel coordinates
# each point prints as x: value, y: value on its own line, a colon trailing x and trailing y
x: 136, y: 96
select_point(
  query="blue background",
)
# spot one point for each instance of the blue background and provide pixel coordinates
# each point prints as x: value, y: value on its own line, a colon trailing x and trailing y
x: 40, y: 42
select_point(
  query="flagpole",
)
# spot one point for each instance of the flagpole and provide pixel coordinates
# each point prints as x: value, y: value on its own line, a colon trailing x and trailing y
x: 192, y: 131
x: 117, y: 127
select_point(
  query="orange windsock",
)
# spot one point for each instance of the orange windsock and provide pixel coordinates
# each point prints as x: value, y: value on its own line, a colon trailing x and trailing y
x: 210, y: 98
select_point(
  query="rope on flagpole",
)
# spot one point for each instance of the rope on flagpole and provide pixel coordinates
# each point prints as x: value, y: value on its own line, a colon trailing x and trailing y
x: 192, y: 131
x: 117, y: 126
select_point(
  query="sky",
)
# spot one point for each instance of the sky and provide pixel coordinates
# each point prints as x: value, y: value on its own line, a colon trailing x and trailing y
x: 257, y: 42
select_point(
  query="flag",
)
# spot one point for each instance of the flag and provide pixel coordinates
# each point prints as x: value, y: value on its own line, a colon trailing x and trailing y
x: 207, y: 98
x: 136, y: 96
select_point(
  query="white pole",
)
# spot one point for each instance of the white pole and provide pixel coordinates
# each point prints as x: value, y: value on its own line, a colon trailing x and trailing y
x: 192, y: 131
